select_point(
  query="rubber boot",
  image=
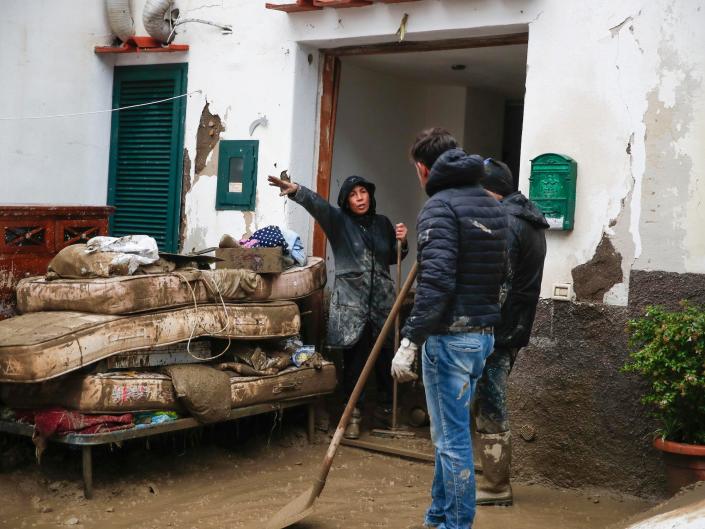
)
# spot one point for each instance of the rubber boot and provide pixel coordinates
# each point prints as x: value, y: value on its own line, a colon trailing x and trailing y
x: 352, y: 431
x: 383, y: 415
x: 493, y: 487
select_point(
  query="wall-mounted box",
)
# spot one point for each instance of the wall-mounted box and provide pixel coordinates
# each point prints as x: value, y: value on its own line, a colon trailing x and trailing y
x: 552, y: 188
x: 563, y: 292
x: 237, y: 175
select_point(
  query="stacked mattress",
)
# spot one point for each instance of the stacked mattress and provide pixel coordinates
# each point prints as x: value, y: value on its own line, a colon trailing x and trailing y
x: 121, y: 392
x: 131, y: 294
x: 54, y: 353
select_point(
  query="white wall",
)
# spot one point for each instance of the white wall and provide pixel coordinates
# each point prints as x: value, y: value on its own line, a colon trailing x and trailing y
x: 256, y: 71
x: 48, y: 67
x: 378, y: 118
x: 616, y: 86
x: 484, y: 123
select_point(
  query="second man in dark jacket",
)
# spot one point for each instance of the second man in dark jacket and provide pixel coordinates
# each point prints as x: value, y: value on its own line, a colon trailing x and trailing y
x: 526, y: 245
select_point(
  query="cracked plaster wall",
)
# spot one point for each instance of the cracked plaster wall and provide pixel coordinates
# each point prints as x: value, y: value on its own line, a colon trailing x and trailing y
x: 613, y: 85
x: 257, y: 71
x: 619, y: 93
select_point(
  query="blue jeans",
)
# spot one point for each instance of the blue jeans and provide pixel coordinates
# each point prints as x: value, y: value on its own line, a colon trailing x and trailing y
x: 452, y: 365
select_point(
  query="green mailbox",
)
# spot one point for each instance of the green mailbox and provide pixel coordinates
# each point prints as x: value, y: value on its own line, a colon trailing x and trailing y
x: 552, y: 188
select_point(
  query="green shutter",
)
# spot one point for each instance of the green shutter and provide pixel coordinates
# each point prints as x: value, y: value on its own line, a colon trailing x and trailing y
x: 146, y: 159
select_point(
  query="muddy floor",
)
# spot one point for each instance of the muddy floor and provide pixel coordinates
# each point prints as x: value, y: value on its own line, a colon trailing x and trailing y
x: 214, y: 479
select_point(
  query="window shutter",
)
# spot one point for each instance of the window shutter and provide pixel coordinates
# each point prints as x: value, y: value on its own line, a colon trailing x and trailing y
x: 146, y: 153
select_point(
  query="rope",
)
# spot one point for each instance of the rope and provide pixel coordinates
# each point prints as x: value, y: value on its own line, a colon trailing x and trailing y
x: 75, y: 114
x: 195, y: 324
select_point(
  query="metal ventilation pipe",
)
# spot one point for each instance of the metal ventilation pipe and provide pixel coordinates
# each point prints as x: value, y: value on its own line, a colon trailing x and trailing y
x: 160, y: 19
x: 120, y: 19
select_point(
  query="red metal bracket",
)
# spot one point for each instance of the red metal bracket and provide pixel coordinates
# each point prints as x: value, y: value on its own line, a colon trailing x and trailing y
x: 297, y: 7
x: 314, y: 5
x: 142, y: 44
x: 341, y: 3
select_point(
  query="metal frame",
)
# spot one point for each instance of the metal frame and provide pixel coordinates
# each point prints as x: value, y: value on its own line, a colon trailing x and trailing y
x: 87, y: 442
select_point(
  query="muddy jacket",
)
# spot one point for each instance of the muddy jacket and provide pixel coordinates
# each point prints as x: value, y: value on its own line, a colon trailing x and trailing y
x: 461, y: 251
x: 363, y: 249
x: 526, y: 243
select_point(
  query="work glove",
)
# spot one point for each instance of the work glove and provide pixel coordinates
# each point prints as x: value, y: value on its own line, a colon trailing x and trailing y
x: 403, y: 361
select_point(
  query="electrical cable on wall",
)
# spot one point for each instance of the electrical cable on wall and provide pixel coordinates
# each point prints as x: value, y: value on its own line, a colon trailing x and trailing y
x: 75, y: 114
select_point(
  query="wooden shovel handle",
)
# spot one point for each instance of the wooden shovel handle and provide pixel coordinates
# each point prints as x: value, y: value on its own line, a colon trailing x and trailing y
x: 397, y: 339
x: 352, y: 402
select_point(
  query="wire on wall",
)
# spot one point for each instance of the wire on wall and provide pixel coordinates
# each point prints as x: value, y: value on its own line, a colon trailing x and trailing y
x: 78, y: 114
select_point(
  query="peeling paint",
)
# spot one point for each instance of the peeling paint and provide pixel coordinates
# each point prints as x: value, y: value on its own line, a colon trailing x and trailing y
x: 185, y: 189
x: 614, y: 30
x: 207, y: 137
x: 249, y: 217
x: 593, y: 279
x: 664, y: 219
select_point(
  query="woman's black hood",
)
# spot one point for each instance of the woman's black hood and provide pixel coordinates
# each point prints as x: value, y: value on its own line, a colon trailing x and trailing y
x: 455, y: 168
x: 348, y: 185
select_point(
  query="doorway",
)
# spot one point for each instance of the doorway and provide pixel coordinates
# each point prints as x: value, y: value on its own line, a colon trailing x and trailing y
x: 377, y: 99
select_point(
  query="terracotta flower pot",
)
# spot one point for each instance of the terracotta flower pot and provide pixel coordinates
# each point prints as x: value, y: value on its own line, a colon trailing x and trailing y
x: 685, y: 463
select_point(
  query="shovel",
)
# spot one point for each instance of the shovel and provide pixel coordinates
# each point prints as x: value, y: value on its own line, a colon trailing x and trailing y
x: 302, y: 506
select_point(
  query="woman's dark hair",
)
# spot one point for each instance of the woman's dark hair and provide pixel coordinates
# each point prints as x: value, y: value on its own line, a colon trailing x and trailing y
x: 430, y: 144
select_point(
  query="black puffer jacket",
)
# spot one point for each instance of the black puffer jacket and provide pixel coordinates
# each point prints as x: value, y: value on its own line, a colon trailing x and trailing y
x: 364, y: 246
x: 461, y: 251
x: 527, y: 251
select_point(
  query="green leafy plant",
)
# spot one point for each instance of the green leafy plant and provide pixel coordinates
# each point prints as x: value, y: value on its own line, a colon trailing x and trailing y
x: 668, y: 350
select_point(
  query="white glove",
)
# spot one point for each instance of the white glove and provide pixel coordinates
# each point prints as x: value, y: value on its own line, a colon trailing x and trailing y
x: 403, y: 361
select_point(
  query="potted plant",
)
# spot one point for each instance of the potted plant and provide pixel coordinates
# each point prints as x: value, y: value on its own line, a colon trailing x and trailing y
x: 668, y: 351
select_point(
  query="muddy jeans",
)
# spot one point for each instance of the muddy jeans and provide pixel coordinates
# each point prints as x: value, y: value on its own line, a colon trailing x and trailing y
x: 491, y: 415
x: 452, y: 365
x: 354, y: 359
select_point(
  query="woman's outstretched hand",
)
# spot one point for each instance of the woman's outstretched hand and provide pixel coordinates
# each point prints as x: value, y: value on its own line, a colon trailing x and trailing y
x: 285, y: 187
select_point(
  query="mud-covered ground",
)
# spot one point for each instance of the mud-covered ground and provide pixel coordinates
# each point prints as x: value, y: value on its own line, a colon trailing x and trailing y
x: 234, y: 477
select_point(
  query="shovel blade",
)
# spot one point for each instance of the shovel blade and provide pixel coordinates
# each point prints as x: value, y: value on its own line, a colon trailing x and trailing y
x: 293, y: 512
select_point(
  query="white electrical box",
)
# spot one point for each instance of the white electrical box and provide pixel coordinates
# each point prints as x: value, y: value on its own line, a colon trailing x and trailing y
x: 563, y: 292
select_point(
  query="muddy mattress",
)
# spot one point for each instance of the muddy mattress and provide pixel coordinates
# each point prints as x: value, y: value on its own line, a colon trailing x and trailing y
x: 43, y: 345
x: 298, y: 282
x: 120, y: 392
x: 130, y: 294
x: 134, y: 294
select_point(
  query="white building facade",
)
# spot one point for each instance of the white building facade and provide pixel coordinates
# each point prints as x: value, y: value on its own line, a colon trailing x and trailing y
x: 616, y: 86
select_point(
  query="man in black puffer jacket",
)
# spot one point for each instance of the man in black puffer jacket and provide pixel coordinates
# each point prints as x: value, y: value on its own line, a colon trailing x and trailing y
x: 526, y: 252
x: 461, y: 252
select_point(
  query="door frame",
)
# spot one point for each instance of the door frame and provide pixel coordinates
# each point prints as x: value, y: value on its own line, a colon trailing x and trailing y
x: 330, y: 88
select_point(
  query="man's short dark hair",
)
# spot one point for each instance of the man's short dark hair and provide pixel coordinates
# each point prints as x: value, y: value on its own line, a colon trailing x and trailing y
x: 430, y: 144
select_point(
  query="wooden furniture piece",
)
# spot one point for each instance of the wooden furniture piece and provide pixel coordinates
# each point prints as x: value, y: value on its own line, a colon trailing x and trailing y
x: 30, y: 235
x: 87, y: 442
